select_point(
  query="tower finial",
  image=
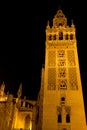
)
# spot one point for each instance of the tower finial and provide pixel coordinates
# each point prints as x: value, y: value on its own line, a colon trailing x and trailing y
x: 59, y: 7
x: 72, y: 24
x: 48, y: 24
x: 2, y: 87
x: 72, y: 21
x: 19, y: 93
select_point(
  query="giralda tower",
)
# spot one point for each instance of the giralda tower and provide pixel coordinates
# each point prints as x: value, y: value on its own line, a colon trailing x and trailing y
x: 61, y: 89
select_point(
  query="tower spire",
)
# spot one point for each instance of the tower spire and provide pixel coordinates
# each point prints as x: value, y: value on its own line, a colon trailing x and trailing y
x: 19, y: 93
x: 59, y: 7
x: 48, y: 25
x: 72, y: 24
x: 2, y: 87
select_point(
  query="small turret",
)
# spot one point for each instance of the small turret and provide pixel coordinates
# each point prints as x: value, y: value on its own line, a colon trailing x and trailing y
x: 48, y: 25
x: 19, y: 93
x: 2, y: 87
x: 72, y: 24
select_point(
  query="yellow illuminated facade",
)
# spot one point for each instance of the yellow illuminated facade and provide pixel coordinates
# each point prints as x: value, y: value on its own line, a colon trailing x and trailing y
x: 60, y: 104
x: 60, y: 100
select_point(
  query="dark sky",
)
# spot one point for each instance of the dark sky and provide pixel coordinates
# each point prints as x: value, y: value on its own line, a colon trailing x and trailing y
x: 22, y: 41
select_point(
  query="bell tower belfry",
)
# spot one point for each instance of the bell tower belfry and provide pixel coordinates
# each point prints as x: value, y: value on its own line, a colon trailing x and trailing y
x: 61, y: 89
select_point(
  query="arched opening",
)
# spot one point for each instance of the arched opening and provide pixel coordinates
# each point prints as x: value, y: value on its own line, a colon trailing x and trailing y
x: 54, y: 37
x: 64, y: 129
x: 59, y: 118
x: 71, y: 36
x: 62, y: 100
x: 27, y: 122
x: 60, y: 35
x: 67, y: 118
x: 66, y: 36
x: 50, y: 37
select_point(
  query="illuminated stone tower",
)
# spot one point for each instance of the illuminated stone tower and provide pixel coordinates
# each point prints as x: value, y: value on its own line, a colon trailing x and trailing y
x: 61, y: 88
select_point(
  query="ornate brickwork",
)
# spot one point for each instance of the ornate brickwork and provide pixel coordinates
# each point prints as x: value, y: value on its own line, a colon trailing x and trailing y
x: 71, y: 58
x: 73, y: 79
x: 51, y: 78
x: 61, y: 72
x: 51, y: 58
x: 62, y: 84
x: 61, y: 62
x: 61, y: 53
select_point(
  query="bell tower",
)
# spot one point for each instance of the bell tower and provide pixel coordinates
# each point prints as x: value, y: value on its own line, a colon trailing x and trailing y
x: 61, y: 90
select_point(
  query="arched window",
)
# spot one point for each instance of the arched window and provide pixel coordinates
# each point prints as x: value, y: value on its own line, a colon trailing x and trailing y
x: 64, y: 129
x: 50, y: 37
x: 66, y: 36
x: 60, y: 35
x: 59, y: 118
x: 62, y: 100
x: 71, y: 36
x: 27, y: 121
x: 54, y: 37
x: 67, y: 118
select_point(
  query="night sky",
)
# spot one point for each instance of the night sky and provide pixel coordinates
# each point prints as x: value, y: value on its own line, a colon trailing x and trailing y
x: 22, y: 42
